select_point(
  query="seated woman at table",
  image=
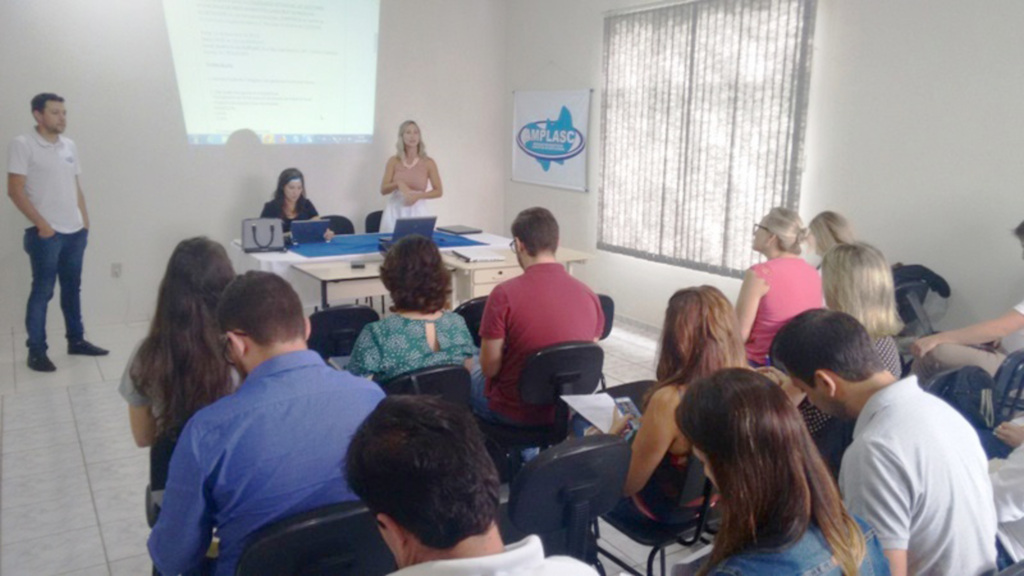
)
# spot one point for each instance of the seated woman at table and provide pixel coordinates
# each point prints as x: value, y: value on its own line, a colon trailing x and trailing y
x: 179, y: 367
x: 700, y: 336
x: 781, y: 511
x: 421, y: 332
x: 290, y: 203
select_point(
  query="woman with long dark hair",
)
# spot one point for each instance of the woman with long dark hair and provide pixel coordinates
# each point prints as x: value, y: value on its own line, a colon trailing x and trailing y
x: 781, y: 510
x: 290, y: 203
x: 179, y: 367
x: 700, y: 336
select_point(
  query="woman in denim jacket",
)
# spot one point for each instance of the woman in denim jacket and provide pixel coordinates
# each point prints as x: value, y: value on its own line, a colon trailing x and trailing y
x: 781, y: 510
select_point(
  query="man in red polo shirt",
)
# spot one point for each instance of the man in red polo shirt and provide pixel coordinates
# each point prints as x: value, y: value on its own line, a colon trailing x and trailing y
x: 542, y: 307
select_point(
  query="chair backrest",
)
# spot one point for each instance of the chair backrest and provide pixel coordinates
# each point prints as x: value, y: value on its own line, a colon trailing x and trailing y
x: 451, y: 382
x: 567, y: 486
x: 333, y: 331
x: 910, y: 296
x: 608, y: 307
x: 1009, y: 387
x: 472, y: 311
x: 373, y: 222
x: 969, y: 390
x: 337, y: 540
x: 1015, y: 570
x: 160, y: 459
x: 340, y: 224
x: 567, y: 368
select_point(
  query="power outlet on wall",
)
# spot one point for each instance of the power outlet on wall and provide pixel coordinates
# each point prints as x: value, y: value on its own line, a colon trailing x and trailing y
x: 115, y: 270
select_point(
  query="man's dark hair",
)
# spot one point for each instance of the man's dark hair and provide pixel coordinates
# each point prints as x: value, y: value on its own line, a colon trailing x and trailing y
x: 537, y: 229
x: 39, y: 101
x: 1019, y: 231
x: 825, y: 340
x: 421, y: 460
x: 263, y: 306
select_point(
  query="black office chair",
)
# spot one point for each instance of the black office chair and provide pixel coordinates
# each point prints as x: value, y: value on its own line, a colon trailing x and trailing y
x: 159, y: 465
x: 695, y: 498
x: 335, y: 540
x: 1009, y: 387
x: 333, y: 331
x: 451, y: 382
x: 566, y: 488
x: 472, y: 311
x: 548, y: 374
x: 373, y: 222
x: 340, y: 225
x: 608, y: 308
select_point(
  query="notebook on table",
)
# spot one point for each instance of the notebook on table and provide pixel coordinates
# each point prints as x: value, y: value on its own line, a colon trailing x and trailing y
x: 477, y: 255
x: 459, y: 229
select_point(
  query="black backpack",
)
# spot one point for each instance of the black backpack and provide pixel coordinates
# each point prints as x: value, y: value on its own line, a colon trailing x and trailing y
x: 969, y: 391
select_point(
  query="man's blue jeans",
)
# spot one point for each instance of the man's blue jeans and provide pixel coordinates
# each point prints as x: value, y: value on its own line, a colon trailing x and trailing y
x: 57, y: 257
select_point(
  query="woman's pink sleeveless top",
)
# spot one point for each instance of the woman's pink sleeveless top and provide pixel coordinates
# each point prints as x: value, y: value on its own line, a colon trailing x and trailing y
x: 415, y: 177
x: 794, y: 286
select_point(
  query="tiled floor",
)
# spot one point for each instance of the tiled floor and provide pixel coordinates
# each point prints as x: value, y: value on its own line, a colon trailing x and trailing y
x: 72, y: 481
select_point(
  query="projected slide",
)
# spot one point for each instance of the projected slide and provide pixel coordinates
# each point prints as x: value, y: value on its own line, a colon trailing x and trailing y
x: 292, y: 71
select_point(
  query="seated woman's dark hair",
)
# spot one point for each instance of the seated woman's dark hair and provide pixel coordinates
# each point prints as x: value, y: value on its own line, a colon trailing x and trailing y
x: 286, y: 176
x: 771, y: 477
x: 415, y: 276
x: 180, y: 364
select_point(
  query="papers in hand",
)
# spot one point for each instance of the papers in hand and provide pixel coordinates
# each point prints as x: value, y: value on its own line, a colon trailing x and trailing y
x: 477, y: 255
x: 598, y: 409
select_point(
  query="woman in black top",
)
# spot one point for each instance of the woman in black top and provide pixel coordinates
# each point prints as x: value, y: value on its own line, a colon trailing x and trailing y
x: 290, y: 202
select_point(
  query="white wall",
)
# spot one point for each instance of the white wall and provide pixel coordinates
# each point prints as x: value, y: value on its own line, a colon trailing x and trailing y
x: 441, y: 62
x: 915, y: 132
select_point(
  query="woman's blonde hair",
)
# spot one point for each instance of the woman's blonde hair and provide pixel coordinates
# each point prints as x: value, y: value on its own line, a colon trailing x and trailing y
x: 787, y: 226
x: 830, y: 228
x: 857, y: 280
x: 421, y: 148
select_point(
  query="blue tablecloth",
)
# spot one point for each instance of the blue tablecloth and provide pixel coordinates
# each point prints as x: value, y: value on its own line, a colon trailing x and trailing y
x: 368, y: 244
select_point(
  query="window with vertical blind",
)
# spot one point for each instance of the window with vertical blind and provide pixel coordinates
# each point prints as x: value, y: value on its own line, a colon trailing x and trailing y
x: 703, y: 117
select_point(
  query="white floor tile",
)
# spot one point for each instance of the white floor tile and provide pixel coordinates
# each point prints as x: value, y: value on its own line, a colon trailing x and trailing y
x: 106, y: 448
x: 67, y: 374
x: 100, y: 570
x: 127, y: 473
x: 36, y: 437
x: 46, y: 518
x: 53, y: 459
x: 125, y: 538
x: 135, y: 566
x: 24, y: 490
x: 122, y: 503
x: 54, y: 554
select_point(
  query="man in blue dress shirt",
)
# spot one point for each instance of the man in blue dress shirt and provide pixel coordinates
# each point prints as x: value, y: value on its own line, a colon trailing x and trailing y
x: 272, y: 449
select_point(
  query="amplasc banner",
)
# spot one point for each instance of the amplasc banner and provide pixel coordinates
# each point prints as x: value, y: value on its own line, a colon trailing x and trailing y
x: 550, y: 131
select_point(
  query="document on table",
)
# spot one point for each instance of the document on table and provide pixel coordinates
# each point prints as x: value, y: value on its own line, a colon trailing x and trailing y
x: 598, y: 409
x: 477, y: 255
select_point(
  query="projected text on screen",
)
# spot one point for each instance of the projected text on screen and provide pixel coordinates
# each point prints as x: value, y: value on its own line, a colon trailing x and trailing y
x: 291, y: 71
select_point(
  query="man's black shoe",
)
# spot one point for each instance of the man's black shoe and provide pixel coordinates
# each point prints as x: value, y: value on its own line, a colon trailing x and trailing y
x: 40, y: 363
x: 84, y: 348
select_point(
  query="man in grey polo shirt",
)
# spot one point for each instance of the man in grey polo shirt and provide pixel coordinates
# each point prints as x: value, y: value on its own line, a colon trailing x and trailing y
x: 42, y: 181
x: 915, y: 470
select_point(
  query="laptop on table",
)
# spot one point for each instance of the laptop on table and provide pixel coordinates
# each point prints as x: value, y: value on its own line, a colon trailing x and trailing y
x: 309, y: 231
x: 424, y: 226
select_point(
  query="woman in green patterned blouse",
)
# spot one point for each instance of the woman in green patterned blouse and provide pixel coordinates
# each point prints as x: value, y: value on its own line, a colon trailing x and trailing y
x: 421, y: 332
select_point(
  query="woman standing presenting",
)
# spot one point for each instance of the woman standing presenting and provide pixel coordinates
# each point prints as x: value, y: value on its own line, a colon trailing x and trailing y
x: 406, y: 178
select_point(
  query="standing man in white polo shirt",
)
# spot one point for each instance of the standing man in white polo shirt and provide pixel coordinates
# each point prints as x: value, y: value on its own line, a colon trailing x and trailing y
x: 915, y: 470
x: 42, y: 181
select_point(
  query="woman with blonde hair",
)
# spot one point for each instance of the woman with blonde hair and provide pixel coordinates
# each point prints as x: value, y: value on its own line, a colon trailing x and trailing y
x: 777, y: 290
x: 700, y: 336
x: 781, y: 511
x: 828, y: 229
x: 857, y: 279
x: 410, y: 177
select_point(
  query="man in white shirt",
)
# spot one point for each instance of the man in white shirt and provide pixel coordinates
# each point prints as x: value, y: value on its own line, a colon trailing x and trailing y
x: 420, y: 465
x: 915, y: 471
x: 42, y: 181
x: 1008, y: 490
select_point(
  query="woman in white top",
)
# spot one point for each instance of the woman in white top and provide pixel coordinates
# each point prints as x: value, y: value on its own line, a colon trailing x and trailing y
x: 410, y: 178
x: 984, y: 344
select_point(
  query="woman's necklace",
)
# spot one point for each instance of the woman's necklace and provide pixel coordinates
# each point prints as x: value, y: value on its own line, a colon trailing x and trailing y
x: 414, y: 162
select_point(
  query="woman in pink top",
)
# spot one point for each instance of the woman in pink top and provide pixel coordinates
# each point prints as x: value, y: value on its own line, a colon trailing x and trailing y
x: 775, y: 291
x: 406, y: 178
